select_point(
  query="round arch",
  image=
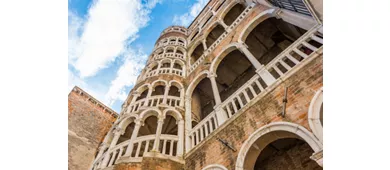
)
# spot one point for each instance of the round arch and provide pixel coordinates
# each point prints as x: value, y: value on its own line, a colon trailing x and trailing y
x: 144, y: 87
x: 214, y: 167
x: 176, y: 83
x: 195, y: 82
x: 314, y: 115
x: 159, y: 82
x: 149, y: 112
x: 174, y: 113
x: 127, y: 120
x: 229, y: 7
x: 254, y: 22
x: 224, y: 52
x: 264, y: 132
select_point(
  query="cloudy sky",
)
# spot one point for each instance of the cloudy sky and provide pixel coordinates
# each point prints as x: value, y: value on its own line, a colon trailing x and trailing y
x: 109, y: 41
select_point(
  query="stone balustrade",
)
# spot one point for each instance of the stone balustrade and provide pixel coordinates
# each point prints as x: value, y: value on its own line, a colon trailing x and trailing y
x: 256, y: 85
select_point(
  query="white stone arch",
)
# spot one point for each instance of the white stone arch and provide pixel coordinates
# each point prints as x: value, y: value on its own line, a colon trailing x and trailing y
x: 224, y: 52
x: 168, y: 48
x: 149, y: 112
x: 219, y: 3
x: 176, y: 83
x: 182, y: 49
x: 198, y: 41
x: 165, y: 60
x: 127, y: 120
x: 265, y: 131
x: 214, y: 167
x: 314, y: 114
x: 229, y: 7
x: 254, y: 22
x: 196, y: 80
x: 143, y: 87
x: 174, y: 113
x: 191, y: 36
x: 159, y: 82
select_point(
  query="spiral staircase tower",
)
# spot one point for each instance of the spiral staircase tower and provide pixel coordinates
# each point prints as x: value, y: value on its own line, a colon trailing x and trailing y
x: 151, y: 123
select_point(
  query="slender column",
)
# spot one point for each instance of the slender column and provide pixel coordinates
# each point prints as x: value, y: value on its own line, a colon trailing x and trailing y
x: 150, y: 90
x: 220, y: 21
x: 166, y: 94
x: 133, y: 100
x: 171, y: 68
x: 118, y: 133
x: 158, y: 134
x: 181, y: 104
x: 180, y: 134
x: 188, y: 126
x: 204, y: 44
x: 215, y: 88
x: 264, y: 74
x: 134, y: 135
x: 318, y: 158
x: 103, y: 147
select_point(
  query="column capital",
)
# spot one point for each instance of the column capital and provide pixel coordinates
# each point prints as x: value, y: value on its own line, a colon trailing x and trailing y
x: 317, y: 156
x: 161, y: 118
x: 119, y: 131
x: 212, y: 75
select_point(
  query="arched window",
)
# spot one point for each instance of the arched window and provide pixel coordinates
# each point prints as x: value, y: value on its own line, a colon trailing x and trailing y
x: 192, y: 38
x: 234, y: 12
x: 202, y: 103
x: 174, y: 91
x: 217, y: 31
x: 198, y: 52
x: 158, y: 90
x: 143, y: 95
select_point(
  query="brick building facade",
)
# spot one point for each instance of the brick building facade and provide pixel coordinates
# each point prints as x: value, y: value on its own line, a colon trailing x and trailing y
x: 240, y: 88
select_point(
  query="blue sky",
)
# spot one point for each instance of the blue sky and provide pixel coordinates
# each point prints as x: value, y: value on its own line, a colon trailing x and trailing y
x: 109, y: 41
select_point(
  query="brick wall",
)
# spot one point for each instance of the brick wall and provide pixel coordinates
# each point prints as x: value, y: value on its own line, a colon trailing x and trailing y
x: 87, y: 126
x: 150, y: 164
x: 302, y: 87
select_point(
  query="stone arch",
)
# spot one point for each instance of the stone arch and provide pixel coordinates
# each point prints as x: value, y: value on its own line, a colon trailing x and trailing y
x: 228, y: 8
x: 149, y: 112
x: 315, y: 114
x: 270, y: 133
x: 176, y: 83
x: 164, y: 61
x: 218, y: 5
x: 254, y: 22
x: 214, y: 167
x: 169, y: 49
x: 193, y: 35
x: 215, y: 29
x: 158, y: 82
x: 127, y: 120
x: 142, y: 88
x: 181, y: 49
x: 225, y: 51
x: 195, y: 81
x: 174, y: 113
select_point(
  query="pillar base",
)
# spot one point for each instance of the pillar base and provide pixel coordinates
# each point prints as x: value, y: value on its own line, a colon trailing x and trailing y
x: 317, y: 157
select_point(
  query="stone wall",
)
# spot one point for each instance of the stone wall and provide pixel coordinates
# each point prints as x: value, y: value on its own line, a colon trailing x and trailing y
x: 302, y: 86
x: 88, y: 123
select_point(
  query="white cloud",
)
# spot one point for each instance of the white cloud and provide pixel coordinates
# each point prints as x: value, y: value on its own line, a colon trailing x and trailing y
x: 126, y: 76
x: 186, y: 18
x: 110, y: 25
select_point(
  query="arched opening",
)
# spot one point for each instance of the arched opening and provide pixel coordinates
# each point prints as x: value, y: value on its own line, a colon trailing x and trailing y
x: 270, y: 37
x: 198, y: 52
x: 169, y: 50
x: 296, y: 6
x: 128, y: 132
x: 202, y: 103
x: 192, y: 38
x: 169, y: 126
x: 279, y: 145
x: 207, y: 21
x: 149, y: 126
x: 234, y: 12
x: 287, y: 153
x: 174, y: 91
x: 177, y: 66
x: 172, y: 40
x: 166, y: 64
x: 219, y: 5
x: 214, y: 35
x: 180, y: 41
x: 179, y: 52
x: 143, y: 95
x: 233, y: 72
x: 158, y: 90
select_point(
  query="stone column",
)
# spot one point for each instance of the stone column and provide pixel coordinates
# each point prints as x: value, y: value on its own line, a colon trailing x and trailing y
x: 188, y: 126
x: 263, y: 73
x: 204, y: 44
x: 150, y: 90
x: 182, y: 91
x: 134, y: 135
x: 166, y: 90
x: 160, y: 123
x: 215, y: 88
x: 221, y: 115
x: 180, y: 134
x: 220, y: 21
x: 118, y: 133
x: 103, y: 147
x: 317, y: 157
